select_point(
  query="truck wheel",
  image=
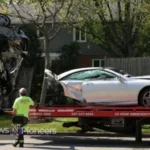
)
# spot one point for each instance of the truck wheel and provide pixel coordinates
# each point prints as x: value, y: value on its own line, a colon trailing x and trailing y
x: 145, y: 98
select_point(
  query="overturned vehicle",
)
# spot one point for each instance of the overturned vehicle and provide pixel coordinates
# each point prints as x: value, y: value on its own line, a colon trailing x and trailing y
x: 13, y: 43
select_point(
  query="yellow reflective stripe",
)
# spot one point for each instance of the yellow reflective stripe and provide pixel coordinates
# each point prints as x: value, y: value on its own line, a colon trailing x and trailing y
x: 21, y: 141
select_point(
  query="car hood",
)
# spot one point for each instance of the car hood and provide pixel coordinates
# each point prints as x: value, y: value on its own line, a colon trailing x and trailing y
x: 147, y: 77
x: 51, y: 76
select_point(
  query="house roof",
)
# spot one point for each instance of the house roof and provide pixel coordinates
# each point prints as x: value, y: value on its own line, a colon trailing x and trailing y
x: 27, y: 14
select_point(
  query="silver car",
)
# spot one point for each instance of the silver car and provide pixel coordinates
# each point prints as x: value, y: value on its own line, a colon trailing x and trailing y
x: 102, y: 86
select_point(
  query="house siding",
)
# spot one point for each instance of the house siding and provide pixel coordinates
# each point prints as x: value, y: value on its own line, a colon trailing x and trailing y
x: 64, y: 37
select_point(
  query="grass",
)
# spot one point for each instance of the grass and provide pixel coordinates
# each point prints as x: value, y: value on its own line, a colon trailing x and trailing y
x: 146, y: 129
x: 55, y: 123
x: 5, y: 121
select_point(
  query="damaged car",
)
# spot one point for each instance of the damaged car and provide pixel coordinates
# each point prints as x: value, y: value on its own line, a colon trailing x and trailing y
x: 101, y: 86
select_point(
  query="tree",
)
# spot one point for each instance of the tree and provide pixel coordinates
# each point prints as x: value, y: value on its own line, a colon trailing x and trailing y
x: 143, y: 44
x: 45, y: 15
x: 68, y: 53
x: 113, y: 24
x: 34, y: 59
x: 33, y: 46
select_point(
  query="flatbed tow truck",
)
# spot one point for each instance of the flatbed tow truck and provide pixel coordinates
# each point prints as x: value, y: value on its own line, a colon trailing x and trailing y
x: 136, y: 115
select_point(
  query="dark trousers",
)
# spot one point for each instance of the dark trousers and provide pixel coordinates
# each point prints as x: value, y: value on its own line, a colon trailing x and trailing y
x: 22, y: 121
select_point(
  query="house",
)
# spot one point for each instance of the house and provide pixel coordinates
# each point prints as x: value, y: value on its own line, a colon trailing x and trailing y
x: 90, y: 54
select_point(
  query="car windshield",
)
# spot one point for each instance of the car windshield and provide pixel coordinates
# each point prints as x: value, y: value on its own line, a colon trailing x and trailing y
x: 90, y: 74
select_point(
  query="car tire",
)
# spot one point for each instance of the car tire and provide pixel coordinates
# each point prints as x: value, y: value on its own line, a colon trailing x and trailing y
x: 144, y: 98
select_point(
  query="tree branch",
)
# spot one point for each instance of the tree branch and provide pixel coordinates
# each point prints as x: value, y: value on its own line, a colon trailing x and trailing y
x: 55, y: 33
x: 109, y: 32
x: 42, y: 5
x: 119, y: 11
x: 53, y: 20
x: 18, y: 12
x: 61, y: 6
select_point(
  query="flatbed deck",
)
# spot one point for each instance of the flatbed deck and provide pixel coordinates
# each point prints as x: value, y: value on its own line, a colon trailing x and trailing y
x: 89, y: 111
x: 137, y: 112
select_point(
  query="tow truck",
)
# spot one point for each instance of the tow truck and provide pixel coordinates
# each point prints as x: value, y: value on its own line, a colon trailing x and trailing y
x: 127, y: 120
x: 116, y: 119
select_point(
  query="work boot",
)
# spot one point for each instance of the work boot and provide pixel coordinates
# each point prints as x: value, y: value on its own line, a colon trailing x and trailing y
x: 21, y: 145
x: 21, y: 140
x: 15, y: 144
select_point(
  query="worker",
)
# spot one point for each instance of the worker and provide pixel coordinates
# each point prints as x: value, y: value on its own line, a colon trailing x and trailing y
x: 20, y: 113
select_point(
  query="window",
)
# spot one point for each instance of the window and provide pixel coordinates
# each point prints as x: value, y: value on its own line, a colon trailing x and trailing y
x: 91, y: 75
x: 98, y: 62
x: 79, y: 35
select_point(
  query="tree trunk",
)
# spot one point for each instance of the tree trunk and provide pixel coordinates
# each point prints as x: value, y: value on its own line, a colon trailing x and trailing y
x: 43, y: 92
x: 47, y: 62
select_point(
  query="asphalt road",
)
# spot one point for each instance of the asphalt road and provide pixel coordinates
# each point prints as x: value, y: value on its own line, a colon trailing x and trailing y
x: 75, y: 143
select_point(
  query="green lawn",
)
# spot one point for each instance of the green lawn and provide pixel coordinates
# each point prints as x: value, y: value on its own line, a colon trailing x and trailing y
x: 146, y: 129
x: 54, y: 123
x: 5, y: 121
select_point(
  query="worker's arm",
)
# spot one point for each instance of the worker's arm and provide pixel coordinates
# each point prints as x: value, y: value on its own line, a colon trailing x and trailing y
x: 14, y: 112
x: 34, y: 104
x: 15, y: 106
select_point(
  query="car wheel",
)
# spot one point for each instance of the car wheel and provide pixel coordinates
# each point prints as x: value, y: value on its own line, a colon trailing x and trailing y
x: 145, y: 98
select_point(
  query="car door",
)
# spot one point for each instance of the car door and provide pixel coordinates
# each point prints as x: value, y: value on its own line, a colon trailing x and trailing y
x: 107, y: 88
x: 72, y: 84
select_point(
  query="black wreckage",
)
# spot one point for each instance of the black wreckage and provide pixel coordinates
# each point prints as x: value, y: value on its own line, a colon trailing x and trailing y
x: 13, y: 44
